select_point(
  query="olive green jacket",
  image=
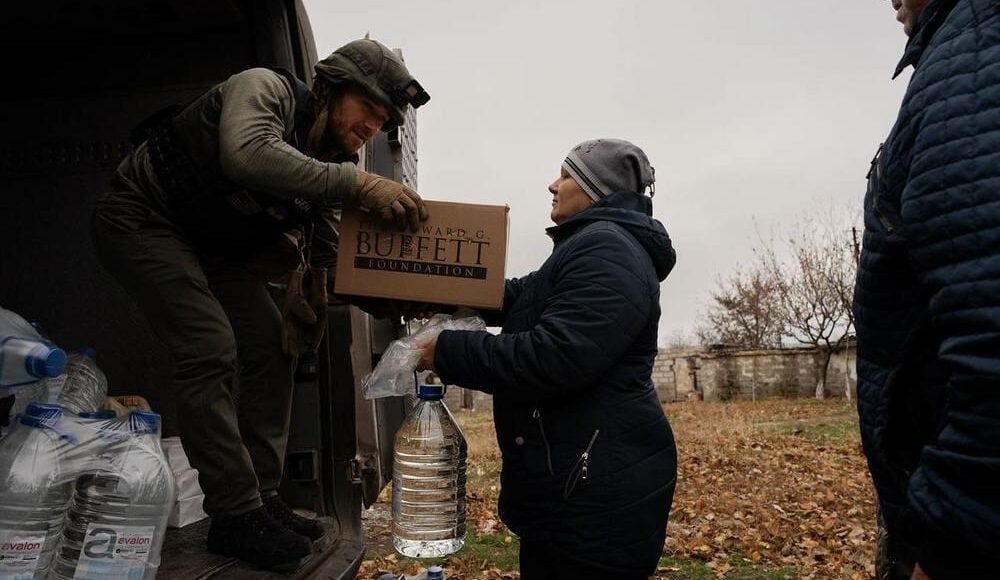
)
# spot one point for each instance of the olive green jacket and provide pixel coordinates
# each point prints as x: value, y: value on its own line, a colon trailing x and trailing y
x: 237, y: 130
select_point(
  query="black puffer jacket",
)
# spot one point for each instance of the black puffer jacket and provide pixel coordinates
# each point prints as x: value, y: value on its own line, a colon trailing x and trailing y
x: 589, y: 463
x: 927, y: 300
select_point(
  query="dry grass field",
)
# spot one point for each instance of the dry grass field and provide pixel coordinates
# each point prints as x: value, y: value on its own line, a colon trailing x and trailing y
x: 766, y: 490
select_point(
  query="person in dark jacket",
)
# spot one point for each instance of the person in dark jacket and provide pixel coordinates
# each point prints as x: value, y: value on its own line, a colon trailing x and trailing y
x: 589, y: 463
x: 927, y: 300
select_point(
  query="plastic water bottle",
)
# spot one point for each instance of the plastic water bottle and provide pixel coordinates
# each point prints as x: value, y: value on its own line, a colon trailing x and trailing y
x: 35, y: 484
x: 118, y: 515
x: 84, y: 387
x: 435, y: 573
x: 428, y: 485
x: 27, y: 360
x: 12, y: 324
x: 25, y: 357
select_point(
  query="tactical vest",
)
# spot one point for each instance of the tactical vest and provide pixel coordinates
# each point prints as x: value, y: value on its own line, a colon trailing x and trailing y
x: 214, y: 212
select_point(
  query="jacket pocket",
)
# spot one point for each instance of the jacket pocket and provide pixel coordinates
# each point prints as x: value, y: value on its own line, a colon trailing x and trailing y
x: 537, y: 415
x: 581, y: 468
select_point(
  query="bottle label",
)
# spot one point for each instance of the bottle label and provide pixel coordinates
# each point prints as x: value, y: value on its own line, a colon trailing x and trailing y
x: 19, y: 555
x: 115, y: 551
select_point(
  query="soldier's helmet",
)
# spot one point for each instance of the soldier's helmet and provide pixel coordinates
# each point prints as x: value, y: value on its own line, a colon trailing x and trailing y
x: 379, y: 71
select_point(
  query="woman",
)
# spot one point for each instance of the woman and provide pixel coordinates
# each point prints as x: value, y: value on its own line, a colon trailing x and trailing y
x: 589, y: 463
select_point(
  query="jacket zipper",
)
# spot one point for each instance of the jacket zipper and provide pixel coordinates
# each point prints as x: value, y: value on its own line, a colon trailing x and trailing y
x: 881, y: 217
x: 541, y: 428
x: 581, y: 469
x: 875, y: 187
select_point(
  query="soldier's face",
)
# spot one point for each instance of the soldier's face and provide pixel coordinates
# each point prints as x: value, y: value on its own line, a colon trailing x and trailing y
x: 354, y: 119
x: 568, y: 198
x: 908, y: 12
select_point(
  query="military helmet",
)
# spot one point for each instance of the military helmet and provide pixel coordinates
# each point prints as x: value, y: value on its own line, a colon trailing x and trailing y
x: 379, y: 71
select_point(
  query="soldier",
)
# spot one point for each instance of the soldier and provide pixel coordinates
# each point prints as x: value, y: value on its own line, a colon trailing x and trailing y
x: 235, y: 188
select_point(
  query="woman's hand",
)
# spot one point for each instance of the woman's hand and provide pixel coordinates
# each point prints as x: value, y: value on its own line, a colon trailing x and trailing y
x: 427, y: 350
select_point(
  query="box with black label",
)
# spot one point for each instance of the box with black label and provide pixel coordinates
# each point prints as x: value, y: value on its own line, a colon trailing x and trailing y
x: 458, y: 256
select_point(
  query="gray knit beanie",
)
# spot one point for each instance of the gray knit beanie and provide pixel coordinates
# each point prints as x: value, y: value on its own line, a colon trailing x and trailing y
x: 606, y: 166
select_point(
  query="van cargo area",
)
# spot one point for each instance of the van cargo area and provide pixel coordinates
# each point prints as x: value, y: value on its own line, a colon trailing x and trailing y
x: 81, y: 74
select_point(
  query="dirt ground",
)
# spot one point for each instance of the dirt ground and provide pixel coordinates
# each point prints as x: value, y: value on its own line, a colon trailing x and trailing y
x: 766, y: 490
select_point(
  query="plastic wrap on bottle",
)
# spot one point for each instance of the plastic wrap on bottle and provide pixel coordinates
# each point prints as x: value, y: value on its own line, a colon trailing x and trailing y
x: 36, y: 478
x: 122, y: 497
x: 13, y: 323
x: 84, y: 387
x: 34, y: 393
x: 393, y: 375
x: 83, y: 496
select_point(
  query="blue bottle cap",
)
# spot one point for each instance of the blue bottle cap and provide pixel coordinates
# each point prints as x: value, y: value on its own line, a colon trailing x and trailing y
x: 41, y: 414
x: 45, y: 361
x: 435, y: 572
x: 97, y: 415
x: 143, y: 422
x: 43, y: 411
x: 430, y: 392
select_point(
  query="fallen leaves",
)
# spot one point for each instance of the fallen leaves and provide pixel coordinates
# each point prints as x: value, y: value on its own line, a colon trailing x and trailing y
x: 771, y: 484
x: 766, y: 482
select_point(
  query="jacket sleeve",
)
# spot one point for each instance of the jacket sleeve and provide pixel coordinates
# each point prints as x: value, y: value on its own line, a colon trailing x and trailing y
x: 256, y: 110
x: 511, y: 292
x: 597, y: 308
x: 951, y: 215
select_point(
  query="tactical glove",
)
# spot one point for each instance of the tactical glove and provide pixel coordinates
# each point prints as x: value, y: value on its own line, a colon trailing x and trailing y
x: 390, y: 201
x: 304, y: 314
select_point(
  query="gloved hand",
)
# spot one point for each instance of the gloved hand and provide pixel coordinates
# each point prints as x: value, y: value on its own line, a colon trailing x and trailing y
x: 304, y: 314
x: 391, y: 201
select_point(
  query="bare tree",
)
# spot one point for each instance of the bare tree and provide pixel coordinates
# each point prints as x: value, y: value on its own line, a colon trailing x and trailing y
x: 679, y: 339
x: 744, y: 311
x: 798, y: 289
x: 814, y: 284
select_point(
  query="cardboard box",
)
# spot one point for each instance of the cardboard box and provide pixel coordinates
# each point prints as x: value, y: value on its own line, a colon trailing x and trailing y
x: 458, y: 256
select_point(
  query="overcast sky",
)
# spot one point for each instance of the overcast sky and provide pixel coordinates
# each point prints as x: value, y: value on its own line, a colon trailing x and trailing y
x: 749, y: 109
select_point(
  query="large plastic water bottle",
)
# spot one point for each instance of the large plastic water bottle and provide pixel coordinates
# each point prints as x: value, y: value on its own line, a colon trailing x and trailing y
x: 118, y: 515
x: 35, y: 484
x: 428, y: 485
x: 12, y: 324
x: 83, y: 386
x: 25, y: 358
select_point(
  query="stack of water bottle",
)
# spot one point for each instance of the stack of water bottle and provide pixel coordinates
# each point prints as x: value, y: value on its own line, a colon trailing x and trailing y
x: 83, y: 493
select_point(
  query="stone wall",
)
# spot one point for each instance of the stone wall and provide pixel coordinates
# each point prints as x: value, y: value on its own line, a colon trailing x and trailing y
x: 458, y: 398
x: 724, y: 373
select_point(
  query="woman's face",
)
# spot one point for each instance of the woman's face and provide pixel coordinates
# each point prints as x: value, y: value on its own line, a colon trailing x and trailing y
x: 568, y: 198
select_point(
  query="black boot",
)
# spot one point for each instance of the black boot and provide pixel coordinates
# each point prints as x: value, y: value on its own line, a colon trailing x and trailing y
x: 256, y: 537
x: 309, y: 528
